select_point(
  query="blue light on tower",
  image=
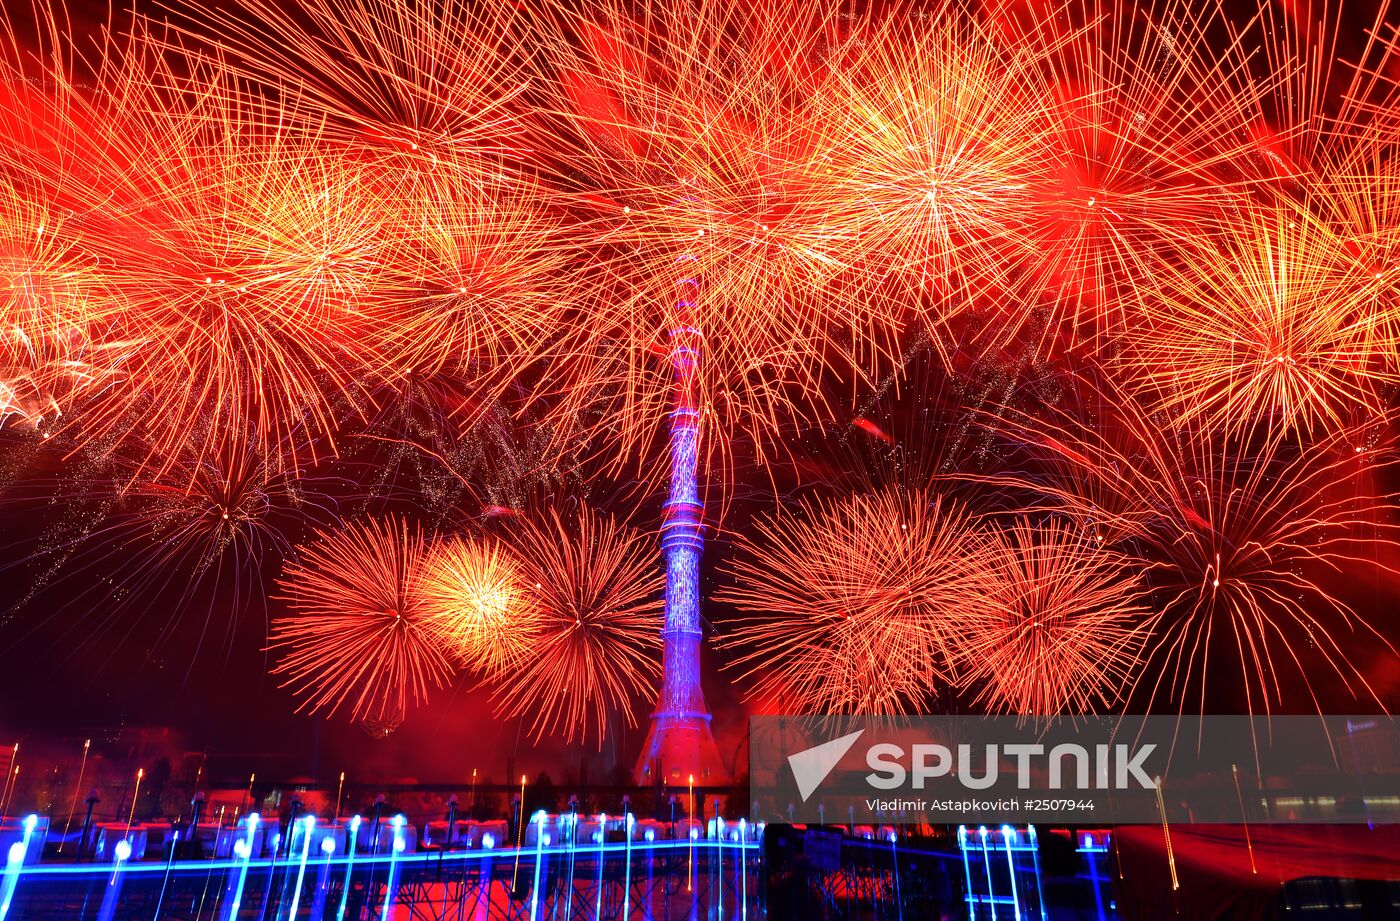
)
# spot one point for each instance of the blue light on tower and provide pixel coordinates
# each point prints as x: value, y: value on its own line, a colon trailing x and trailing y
x: 679, y: 743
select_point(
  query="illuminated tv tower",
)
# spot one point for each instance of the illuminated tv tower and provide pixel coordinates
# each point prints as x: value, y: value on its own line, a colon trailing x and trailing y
x: 679, y: 743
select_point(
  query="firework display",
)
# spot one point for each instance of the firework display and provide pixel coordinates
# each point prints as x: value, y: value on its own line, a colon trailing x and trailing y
x: 480, y: 606
x: 360, y: 636
x: 206, y: 536
x: 1058, y: 623
x: 1236, y: 546
x: 1263, y: 327
x: 412, y: 308
x: 598, y: 624
x: 856, y: 604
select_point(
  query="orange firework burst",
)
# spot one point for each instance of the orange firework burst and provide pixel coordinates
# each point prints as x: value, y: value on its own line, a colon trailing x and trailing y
x: 478, y: 605
x: 1148, y: 118
x: 360, y: 639
x: 239, y: 252
x: 940, y: 129
x: 49, y: 355
x: 417, y: 81
x: 1260, y: 329
x: 477, y: 275
x: 688, y: 137
x: 599, y: 624
x: 1059, y: 623
x: 852, y: 604
x: 1235, y: 546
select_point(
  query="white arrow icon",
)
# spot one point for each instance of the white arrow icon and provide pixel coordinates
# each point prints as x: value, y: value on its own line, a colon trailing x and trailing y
x: 811, y: 765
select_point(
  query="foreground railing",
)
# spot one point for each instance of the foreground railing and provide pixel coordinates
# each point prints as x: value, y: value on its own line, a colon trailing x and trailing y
x: 549, y: 876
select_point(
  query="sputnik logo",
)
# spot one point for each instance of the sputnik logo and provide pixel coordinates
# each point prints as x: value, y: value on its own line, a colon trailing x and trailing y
x: 811, y: 766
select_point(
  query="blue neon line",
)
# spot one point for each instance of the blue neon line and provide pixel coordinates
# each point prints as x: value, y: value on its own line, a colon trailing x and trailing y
x: 301, y: 870
x: 353, y: 838
x: 422, y: 857
x: 1011, y: 871
x: 967, y: 872
x: 987, y: 863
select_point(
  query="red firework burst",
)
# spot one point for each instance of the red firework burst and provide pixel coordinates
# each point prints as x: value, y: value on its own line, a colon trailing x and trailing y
x: 1059, y: 624
x: 359, y: 640
x: 850, y: 605
x: 1236, y: 546
x: 1147, y: 119
x: 598, y: 641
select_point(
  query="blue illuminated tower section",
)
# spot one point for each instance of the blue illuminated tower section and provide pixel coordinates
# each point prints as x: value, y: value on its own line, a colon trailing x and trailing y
x: 680, y: 744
